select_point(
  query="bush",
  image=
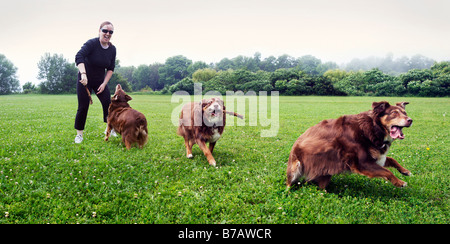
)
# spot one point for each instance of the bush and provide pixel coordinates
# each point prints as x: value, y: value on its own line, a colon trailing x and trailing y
x: 416, y: 75
x: 323, y: 87
x: 443, y: 83
x: 186, y: 84
x: 297, y: 87
x: 429, y: 88
x: 203, y: 75
x: 388, y: 88
x: 256, y: 85
x: 29, y: 88
x: 281, y: 86
x: 352, y: 85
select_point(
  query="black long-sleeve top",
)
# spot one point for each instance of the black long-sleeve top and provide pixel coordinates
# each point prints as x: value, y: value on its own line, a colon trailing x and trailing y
x: 96, y: 59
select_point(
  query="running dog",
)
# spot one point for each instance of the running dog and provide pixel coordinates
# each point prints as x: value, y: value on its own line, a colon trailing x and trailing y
x: 352, y: 143
x: 203, y: 122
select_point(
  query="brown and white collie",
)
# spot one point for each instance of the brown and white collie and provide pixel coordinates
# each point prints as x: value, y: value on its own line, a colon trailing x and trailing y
x: 203, y: 122
x: 351, y: 143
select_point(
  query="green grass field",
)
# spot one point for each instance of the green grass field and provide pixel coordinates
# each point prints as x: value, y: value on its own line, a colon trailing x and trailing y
x: 46, y: 178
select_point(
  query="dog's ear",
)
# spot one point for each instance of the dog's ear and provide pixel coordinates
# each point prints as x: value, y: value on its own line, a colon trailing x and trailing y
x: 128, y: 98
x: 402, y: 104
x: 198, y: 114
x: 380, y: 107
x: 205, y: 103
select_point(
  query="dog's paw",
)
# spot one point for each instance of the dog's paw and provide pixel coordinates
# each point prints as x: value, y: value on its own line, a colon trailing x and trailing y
x: 406, y: 173
x: 400, y: 183
x: 213, y: 163
x: 190, y: 156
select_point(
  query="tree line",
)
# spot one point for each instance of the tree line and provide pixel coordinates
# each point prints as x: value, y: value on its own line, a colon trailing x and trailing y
x: 306, y: 75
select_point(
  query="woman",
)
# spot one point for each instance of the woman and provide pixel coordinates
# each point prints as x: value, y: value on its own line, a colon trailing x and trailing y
x: 96, y: 62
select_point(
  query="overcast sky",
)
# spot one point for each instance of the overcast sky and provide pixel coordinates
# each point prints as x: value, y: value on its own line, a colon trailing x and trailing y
x: 149, y: 31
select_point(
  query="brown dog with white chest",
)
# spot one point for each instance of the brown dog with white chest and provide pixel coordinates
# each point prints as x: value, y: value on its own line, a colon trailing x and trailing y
x: 352, y: 143
x: 129, y: 123
x: 203, y: 122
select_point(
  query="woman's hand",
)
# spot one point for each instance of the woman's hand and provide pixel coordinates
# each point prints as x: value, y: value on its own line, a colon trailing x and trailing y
x: 108, y: 76
x: 101, y: 88
x: 84, y: 79
x: 82, y: 69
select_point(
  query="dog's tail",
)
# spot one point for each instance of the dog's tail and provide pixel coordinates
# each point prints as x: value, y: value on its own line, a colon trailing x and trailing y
x: 142, y: 135
x: 142, y: 132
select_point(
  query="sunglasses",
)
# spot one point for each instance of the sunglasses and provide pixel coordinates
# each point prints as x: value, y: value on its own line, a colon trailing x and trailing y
x: 106, y: 31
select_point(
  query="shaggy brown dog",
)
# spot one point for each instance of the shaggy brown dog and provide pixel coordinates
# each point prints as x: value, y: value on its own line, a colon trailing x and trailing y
x: 203, y: 122
x: 131, y: 124
x: 356, y: 143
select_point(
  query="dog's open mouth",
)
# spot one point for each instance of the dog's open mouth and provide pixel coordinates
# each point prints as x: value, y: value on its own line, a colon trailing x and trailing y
x: 396, y: 132
x: 215, y: 113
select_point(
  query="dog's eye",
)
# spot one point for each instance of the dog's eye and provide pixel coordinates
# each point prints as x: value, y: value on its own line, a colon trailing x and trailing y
x: 393, y: 112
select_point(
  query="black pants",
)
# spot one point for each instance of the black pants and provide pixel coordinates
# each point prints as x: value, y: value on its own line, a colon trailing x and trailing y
x: 83, y: 102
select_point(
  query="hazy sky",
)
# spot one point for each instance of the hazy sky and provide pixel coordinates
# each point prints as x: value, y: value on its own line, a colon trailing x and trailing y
x: 150, y: 31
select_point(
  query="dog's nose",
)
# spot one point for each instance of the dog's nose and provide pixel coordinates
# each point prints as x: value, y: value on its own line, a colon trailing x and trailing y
x: 409, y: 120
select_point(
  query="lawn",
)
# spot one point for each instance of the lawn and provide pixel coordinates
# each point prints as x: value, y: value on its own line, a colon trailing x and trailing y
x: 46, y: 178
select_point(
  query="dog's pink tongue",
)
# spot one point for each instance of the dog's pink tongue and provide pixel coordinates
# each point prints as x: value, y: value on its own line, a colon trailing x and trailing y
x: 396, y: 133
